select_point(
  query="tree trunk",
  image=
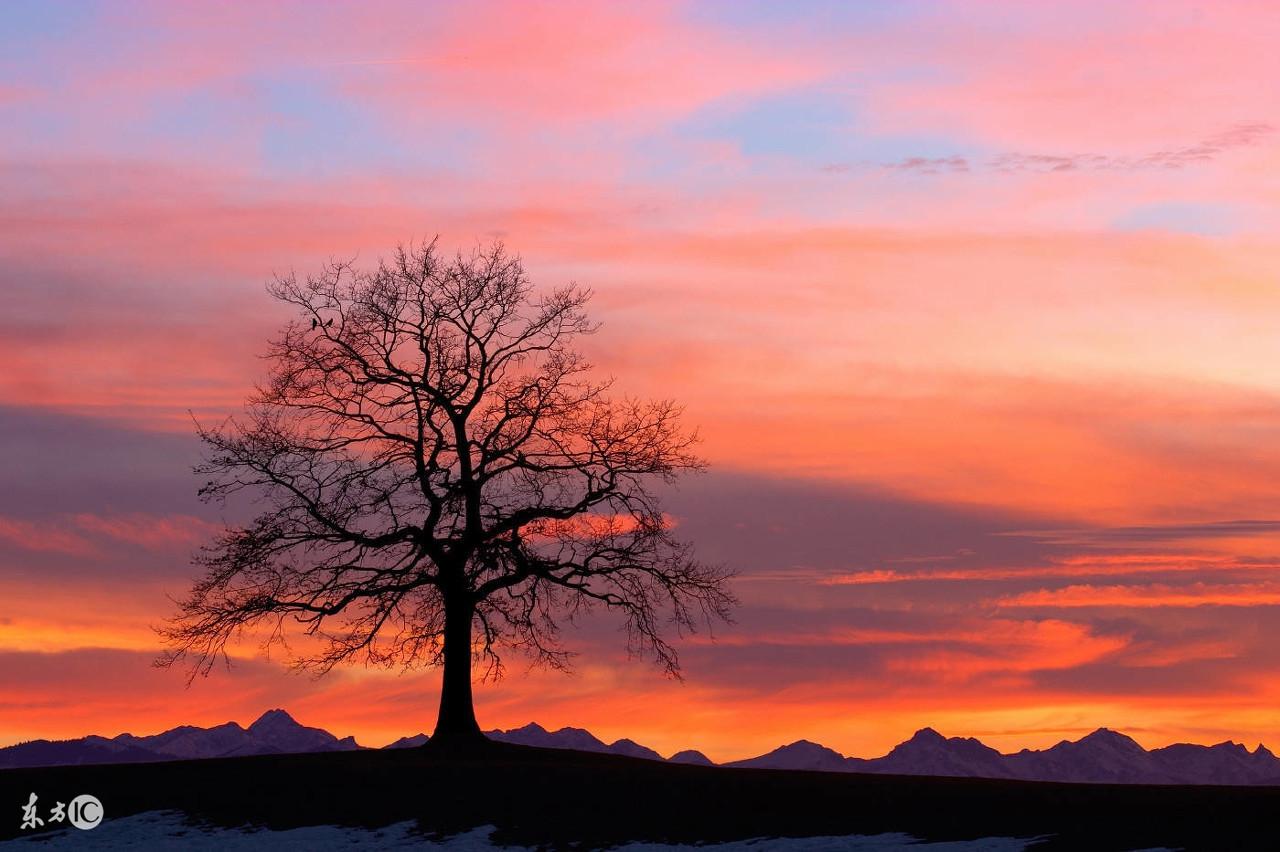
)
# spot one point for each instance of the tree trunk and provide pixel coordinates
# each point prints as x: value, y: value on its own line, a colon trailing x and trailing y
x: 456, y: 725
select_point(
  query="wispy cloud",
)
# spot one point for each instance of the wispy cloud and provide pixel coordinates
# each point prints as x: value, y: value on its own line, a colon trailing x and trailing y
x: 82, y: 534
x: 43, y: 536
x: 930, y: 165
x: 1242, y: 135
x: 1147, y: 596
x: 1084, y: 566
x: 148, y: 531
x: 1145, y: 534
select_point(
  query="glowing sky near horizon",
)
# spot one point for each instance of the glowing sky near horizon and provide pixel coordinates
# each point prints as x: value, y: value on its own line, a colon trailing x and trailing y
x: 976, y: 307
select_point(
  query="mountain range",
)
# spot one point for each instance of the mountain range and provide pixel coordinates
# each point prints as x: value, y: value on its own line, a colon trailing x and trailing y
x: 274, y: 732
x: 1104, y: 756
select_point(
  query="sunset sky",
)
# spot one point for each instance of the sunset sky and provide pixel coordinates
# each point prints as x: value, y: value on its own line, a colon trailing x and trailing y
x: 976, y: 306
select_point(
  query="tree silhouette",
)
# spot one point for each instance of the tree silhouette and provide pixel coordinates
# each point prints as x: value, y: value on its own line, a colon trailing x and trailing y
x: 440, y: 476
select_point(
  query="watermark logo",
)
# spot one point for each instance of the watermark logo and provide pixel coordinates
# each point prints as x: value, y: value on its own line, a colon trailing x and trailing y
x: 84, y: 812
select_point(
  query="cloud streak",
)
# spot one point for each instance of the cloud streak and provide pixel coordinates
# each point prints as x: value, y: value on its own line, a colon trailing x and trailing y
x: 1244, y: 134
x: 1083, y: 566
x: 1153, y: 595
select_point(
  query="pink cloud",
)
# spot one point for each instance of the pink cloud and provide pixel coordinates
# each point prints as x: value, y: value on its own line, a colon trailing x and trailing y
x: 41, y: 536
x: 149, y: 531
x: 74, y: 535
x: 509, y: 63
x: 1056, y: 78
x: 829, y: 354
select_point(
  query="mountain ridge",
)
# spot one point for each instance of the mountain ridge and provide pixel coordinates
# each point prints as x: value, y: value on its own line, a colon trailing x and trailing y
x: 1102, y: 756
x: 274, y: 732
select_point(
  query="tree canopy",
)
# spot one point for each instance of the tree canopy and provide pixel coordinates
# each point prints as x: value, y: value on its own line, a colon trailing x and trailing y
x: 439, y: 475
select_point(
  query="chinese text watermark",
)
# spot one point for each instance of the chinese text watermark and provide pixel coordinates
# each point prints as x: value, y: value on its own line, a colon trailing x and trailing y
x: 84, y: 812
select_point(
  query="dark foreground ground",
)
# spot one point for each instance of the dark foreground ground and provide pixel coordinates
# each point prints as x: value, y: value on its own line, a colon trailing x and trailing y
x: 554, y: 798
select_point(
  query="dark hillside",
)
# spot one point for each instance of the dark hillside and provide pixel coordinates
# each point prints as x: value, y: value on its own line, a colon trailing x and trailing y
x: 556, y: 797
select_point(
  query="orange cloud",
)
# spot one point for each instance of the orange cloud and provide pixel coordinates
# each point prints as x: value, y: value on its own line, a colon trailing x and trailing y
x: 1014, y: 647
x: 1072, y: 566
x: 1154, y: 595
x: 589, y: 526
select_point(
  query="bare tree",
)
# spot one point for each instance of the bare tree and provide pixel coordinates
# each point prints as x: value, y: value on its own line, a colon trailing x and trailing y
x: 440, y: 476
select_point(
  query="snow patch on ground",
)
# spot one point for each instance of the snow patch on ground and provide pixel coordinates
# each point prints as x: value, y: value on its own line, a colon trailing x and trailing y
x: 168, y: 830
